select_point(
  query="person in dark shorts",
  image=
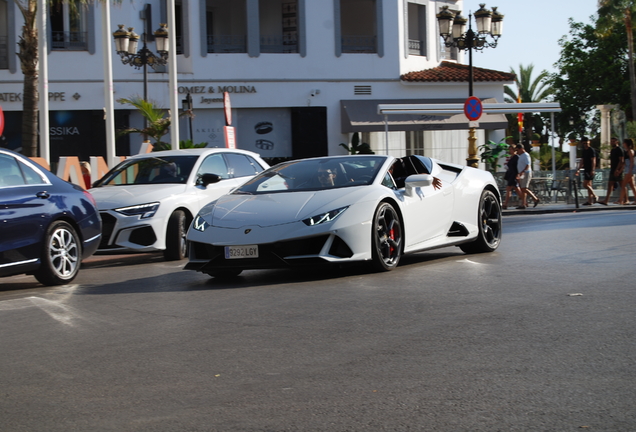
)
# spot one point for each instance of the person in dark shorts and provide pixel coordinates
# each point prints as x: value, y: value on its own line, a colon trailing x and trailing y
x: 617, y: 160
x: 511, y: 176
x: 588, y: 163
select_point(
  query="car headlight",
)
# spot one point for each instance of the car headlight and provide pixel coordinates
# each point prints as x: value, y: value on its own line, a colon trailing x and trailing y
x: 200, y: 224
x: 324, y: 217
x: 144, y: 211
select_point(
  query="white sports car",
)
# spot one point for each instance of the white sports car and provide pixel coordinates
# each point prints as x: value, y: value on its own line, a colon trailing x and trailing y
x: 343, y: 209
x: 148, y: 201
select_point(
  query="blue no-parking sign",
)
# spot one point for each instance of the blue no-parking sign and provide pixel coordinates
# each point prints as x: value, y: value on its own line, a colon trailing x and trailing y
x: 473, y: 108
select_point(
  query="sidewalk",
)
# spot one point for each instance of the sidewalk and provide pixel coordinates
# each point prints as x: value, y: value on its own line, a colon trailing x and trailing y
x: 561, y: 207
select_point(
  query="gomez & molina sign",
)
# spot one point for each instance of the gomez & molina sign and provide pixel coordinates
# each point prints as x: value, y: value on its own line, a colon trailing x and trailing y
x: 217, y: 90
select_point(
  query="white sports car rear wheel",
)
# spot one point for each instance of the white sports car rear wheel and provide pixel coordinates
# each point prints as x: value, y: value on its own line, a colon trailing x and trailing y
x: 489, y: 221
x: 387, y: 238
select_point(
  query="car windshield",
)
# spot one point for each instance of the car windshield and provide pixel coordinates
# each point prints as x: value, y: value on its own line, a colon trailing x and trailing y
x: 315, y: 174
x: 151, y: 170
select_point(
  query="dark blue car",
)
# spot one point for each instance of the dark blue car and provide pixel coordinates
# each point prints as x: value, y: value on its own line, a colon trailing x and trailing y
x: 47, y: 225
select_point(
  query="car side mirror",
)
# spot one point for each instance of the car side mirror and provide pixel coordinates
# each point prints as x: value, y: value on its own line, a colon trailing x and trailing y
x: 208, y: 178
x: 417, y: 180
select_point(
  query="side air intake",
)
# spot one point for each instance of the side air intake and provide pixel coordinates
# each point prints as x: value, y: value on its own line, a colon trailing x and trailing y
x: 457, y: 230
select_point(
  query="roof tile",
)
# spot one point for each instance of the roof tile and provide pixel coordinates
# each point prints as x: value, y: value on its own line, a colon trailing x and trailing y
x: 455, y: 72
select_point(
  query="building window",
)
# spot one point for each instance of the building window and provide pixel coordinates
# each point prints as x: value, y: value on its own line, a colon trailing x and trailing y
x: 226, y: 22
x: 358, y: 26
x: 417, y: 29
x: 68, y: 28
x: 414, y: 143
x: 4, y: 35
x: 178, y: 22
x: 278, y: 22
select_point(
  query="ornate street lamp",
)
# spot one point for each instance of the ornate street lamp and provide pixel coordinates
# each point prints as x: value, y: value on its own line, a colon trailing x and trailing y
x: 126, y: 42
x: 452, y: 28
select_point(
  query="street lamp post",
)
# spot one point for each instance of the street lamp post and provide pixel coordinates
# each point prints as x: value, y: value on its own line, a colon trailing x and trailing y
x: 452, y: 28
x: 187, y: 107
x: 126, y: 42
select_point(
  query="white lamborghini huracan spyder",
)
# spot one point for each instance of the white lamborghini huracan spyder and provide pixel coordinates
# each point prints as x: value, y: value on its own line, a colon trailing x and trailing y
x: 342, y: 209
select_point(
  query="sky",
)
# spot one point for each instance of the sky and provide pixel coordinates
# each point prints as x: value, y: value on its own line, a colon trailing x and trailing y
x: 531, y: 32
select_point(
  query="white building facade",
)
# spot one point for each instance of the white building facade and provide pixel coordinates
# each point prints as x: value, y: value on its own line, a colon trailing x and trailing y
x: 298, y: 73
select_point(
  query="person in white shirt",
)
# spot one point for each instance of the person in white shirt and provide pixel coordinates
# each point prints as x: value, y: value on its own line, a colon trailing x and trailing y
x: 524, y: 176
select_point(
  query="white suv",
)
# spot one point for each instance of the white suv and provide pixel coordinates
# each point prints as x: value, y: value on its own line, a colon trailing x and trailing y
x: 148, y: 201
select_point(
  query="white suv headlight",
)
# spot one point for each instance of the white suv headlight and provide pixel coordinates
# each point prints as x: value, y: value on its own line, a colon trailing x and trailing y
x: 144, y: 211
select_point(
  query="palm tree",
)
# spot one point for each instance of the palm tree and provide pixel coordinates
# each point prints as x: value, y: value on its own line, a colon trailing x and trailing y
x: 28, y: 55
x: 528, y: 90
x: 29, y: 61
x: 156, y: 124
x: 612, y: 13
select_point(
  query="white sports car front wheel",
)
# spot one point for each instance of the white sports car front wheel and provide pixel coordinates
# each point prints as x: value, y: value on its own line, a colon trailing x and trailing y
x: 387, y: 238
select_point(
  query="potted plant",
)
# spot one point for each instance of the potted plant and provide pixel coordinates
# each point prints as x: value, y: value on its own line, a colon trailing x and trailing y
x: 491, y: 152
x: 356, y: 147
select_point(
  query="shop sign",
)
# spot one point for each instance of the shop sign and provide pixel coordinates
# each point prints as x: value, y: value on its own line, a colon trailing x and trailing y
x: 207, y: 91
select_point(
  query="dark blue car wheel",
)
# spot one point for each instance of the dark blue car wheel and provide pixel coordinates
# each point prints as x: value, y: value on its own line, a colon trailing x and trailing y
x: 61, y: 255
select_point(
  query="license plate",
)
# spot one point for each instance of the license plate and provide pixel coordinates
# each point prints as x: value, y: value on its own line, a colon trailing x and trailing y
x: 240, y: 252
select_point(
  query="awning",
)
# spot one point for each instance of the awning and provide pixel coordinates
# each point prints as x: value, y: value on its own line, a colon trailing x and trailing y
x: 362, y: 116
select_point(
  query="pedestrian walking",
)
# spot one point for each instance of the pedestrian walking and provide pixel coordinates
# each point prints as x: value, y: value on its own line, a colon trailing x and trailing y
x: 617, y: 160
x: 628, y: 172
x: 524, y: 177
x: 588, y: 163
x: 511, y: 175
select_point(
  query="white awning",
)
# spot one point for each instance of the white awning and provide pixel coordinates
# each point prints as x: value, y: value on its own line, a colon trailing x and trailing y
x: 363, y: 116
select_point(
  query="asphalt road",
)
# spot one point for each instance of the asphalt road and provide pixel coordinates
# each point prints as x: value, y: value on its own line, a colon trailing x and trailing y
x: 538, y: 336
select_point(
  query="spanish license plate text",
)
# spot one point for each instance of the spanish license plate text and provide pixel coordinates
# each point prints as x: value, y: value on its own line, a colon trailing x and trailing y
x: 240, y: 252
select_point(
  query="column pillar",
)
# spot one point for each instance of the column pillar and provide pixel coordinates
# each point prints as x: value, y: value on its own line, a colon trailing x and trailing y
x: 606, y: 124
x: 472, y: 160
x: 536, y: 156
x: 573, y: 161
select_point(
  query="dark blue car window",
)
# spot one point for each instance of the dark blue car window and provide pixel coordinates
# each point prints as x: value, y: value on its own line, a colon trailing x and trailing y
x: 32, y: 177
x: 10, y: 173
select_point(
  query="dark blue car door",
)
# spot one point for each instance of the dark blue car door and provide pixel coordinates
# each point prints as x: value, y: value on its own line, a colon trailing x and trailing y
x: 25, y: 212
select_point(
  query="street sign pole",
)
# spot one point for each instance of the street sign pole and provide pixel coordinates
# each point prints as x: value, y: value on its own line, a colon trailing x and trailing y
x: 473, y: 109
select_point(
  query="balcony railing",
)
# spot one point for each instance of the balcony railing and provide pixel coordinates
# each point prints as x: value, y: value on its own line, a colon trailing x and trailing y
x: 359, y: 44
x: 227, y: 44
x: 4, y: 53
x: 415, y: 47
x: 69, y: 41
x: 279, y: 44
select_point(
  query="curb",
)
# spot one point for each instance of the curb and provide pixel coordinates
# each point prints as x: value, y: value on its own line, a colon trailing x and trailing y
x: 565, y: 208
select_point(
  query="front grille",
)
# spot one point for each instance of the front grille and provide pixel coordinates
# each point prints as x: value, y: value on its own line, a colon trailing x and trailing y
x: 270, y: 255
x: 108, y: 225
